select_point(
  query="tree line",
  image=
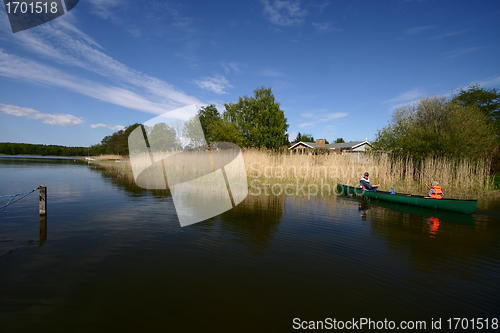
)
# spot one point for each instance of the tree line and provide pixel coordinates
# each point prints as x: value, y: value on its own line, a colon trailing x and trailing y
x: 8, y: 148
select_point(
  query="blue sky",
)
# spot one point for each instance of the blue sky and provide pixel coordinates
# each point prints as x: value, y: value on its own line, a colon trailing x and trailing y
x: 338, y: 68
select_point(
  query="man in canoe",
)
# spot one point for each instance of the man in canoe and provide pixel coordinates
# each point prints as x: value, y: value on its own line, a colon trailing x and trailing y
x: 364, y: 183
x: 435, y: 192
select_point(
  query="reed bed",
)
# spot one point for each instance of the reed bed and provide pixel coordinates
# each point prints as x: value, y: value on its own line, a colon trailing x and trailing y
x: 459, y: 179
x: 463, y: 179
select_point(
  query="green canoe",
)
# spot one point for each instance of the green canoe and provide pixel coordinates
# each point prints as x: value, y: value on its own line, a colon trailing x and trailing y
x: 455, y: 205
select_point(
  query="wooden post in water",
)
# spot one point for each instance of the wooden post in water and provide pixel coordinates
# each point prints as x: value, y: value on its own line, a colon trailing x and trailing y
x: 43, y: 199
x: 43, y: 229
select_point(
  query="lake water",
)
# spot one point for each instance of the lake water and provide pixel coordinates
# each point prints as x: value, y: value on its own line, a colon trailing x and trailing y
x: 113, y: 258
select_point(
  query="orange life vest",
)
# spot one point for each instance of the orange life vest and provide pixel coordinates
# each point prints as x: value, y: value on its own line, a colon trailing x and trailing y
x: 438, y: 194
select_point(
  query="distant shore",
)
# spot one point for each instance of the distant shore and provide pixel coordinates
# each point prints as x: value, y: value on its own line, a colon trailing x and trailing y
x: 100, y: 157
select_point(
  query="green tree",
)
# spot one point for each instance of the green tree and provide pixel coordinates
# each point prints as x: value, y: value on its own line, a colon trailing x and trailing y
x: 224, y: 131
x: 439, y: 127
x: 208, y: 116
x: 163, y: 137
x: 340, y: 140
x: 215, y: 128
x: 487, y: 100
x: 298, y: 138
x: 192, y: 131
x: 307, y: 138
x: 116, y: 143
x: 259, y: 119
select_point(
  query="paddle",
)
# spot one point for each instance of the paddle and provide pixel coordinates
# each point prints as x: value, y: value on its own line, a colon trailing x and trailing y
x: 427, y: 186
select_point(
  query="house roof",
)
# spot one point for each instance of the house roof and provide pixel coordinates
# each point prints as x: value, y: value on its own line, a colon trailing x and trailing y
x: 308, y: 144
x: 352, y: 145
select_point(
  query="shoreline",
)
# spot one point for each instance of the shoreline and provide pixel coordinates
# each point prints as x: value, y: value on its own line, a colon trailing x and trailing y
x: 101, y: 157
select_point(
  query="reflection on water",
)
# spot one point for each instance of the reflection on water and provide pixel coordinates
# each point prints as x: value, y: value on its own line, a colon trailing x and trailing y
x: 433, y: 226
x: 113, y: 257
x: 255, y: 222
x: 43, y: 229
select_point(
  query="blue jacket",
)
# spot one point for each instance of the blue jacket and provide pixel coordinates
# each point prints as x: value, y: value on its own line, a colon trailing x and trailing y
x: 366, y: 184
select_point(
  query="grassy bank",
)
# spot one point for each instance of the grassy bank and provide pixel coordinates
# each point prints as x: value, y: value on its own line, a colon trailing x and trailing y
x: 459, y: 179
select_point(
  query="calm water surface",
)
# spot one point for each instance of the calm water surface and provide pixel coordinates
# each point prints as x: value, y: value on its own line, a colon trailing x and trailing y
x: 113, y: 258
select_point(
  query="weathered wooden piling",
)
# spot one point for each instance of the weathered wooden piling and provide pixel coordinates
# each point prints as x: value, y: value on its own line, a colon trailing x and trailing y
x: 43, y: 229
x: 43, y: 199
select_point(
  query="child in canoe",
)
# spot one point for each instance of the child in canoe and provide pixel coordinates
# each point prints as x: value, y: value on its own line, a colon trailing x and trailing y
x: 364, y: 183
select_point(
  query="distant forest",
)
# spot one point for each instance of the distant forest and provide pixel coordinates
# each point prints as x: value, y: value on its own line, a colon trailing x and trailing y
x: 8, y: 148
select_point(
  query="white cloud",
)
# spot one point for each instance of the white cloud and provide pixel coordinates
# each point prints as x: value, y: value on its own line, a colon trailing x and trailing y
x: 217, y: 84
x: 271, y: 73
x: 30, y: 71
x: 325, y: 27
x: 335, y: 115
x: 406, y: 96
x: 284, y: 13
x: 98, y: 125
x: 319, y: 116
x: 232, y: 66
x: 461, y: 52
x: 114, y: 128
x: 163, y: 17
x: 56, y: 119
x: 417, y: 30
x: 105, y: 9
x: 493, y: 81
x: 61, y: 41
x: 321, y: 6
x: 451, y: 33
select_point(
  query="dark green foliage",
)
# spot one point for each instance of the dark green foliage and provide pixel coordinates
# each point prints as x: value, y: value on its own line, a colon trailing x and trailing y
x: 116, y: 143
x: 496, y: 181
x: 209, y: 115
x: 438, y: 127
x: 495, y: 162
x: 340, y: 140
x: 304, y: 138
x: 259, y: 119
x: 297, y: 138
x: 163, y: 136
x: 217, y: 128
x: 487, y: 100
x: 8, y: 148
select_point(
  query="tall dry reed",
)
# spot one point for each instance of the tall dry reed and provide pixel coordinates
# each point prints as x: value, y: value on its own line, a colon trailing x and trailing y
x: 459, y: 179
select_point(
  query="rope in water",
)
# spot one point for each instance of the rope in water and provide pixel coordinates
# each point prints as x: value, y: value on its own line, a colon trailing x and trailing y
x: 14, y: 196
